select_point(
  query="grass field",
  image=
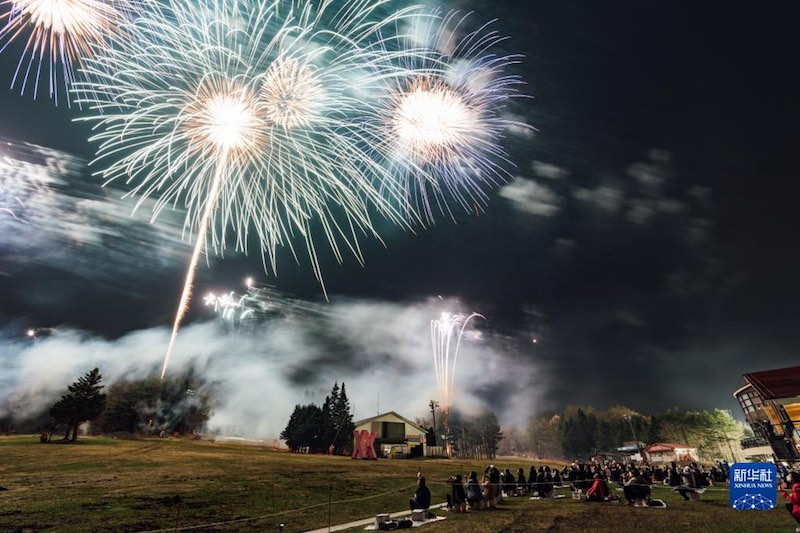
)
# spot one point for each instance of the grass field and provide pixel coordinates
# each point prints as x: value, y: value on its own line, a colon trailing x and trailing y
x: 102, y: 484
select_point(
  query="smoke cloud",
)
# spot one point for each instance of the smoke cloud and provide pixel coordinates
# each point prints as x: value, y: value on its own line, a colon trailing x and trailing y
x: 382, y: 351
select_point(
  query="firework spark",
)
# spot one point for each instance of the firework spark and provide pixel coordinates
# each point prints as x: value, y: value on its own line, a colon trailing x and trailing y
x: 229, y: 306
x: 446, y: 333
x: 241, y: 112
x: 58, y: 33
x: 441, y: 119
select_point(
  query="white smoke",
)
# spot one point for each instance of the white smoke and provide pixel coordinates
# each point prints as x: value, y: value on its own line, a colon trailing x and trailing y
x: 382, y: 351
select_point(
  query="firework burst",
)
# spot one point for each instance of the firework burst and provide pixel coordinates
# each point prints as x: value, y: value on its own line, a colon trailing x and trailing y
x: 240, y: 111
x: 441, y: 119
x: 57, y: 34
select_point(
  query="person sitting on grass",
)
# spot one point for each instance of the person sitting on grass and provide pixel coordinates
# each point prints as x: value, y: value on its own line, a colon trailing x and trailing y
x: 474, y: 494
x: 556, y: 478
x: 509, y: 483
x: 422, y: 496
x: 636, y: 489
x: 491, y: 485
x: 544, y: 483
x: 689, y: 483
x: 598, y: 492
x: 456, y: 498
x: 793, y: 497
x: 522, y: 483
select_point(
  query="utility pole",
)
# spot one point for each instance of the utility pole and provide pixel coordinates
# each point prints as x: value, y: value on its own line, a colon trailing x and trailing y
x: 434, y: 404
x: 630, y: 422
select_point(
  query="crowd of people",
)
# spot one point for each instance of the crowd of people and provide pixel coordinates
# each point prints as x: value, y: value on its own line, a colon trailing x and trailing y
x: 590, y: 480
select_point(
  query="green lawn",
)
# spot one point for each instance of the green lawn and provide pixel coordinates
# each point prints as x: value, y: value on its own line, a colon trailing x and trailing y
x: 102, y: 484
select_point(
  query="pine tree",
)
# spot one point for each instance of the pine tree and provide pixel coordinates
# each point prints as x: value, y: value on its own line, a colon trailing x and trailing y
x: 342, y: 422
x: 83, y: 402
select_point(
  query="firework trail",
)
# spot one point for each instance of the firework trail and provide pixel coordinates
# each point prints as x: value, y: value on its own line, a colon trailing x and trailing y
x: 440, y: 120
x: 57, y: 34
x: 445, y: 332
x: 241, y: 111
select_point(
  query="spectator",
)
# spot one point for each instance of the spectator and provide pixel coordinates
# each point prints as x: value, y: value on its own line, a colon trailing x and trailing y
x: 598, y: 492
x: 456, y: 498
x: 491, y: 485
x: 544, y: 483
x: 474, y: 495
x: 676, y: 482
x: 636, y: 489
x: 522, y: 483
x: 422, y: 496
x: 793, y: 497
x: 509, y: 483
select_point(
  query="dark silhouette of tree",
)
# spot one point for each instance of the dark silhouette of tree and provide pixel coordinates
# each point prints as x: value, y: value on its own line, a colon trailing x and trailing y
x: 82, y: 403
x: 329, y: 429
x: 341, y: 422
x: 305, y: 428
x: 489, y: 434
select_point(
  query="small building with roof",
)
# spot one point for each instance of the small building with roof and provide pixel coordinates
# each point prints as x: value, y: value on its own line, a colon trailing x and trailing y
x: 395, y: 436
x: 666, y: 452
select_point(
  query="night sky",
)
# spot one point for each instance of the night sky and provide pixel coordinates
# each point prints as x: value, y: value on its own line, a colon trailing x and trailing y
x: 647, y: 238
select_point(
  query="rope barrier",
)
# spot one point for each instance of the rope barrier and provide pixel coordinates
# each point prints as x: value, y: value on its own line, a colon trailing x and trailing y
x: 280, y: 513
x: 373, y: 496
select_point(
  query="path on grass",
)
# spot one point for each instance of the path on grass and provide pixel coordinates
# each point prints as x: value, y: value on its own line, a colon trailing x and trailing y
x: 366, y: 521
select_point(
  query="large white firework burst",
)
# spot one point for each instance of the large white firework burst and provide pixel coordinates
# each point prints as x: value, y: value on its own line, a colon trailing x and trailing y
x: 57, y: 35
x: 241, y: 112
x: 442, y: 118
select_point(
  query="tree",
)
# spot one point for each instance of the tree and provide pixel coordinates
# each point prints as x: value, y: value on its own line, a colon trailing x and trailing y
x: 544, y: 436
x: 489, y: 434
x: 304, y: 430
x: 341, y: 422
x: 82, y: 403
x: 177, y: 404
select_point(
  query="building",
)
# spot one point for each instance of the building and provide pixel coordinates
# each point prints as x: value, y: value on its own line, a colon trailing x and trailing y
x: 666, y: 452
x: 770, y: 401
x: 395, y: 436
x: 631, y: 451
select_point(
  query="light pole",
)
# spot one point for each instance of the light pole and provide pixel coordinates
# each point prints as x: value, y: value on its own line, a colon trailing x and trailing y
x: 434, y: 404
x: 630, y: 423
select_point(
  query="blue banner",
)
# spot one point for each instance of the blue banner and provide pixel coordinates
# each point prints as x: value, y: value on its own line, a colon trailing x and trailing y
x: 754, y: 486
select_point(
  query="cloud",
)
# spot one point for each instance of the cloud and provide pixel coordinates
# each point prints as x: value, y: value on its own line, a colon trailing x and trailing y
x: 532, y: 197
x: 549, y: 171
x: 380, y: 350
x: 53, y: 216
x: 604, y: 197
x: 652, y: 175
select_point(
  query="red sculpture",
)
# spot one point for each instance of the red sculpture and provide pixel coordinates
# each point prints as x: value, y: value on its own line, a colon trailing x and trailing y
x: 365, y: 444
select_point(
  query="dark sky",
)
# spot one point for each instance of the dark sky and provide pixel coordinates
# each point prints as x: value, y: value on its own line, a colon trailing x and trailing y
x: 648, y: 240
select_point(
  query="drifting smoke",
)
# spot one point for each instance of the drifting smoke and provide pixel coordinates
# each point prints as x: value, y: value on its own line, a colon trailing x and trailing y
x: 380, y: 350
x: 55, y: 217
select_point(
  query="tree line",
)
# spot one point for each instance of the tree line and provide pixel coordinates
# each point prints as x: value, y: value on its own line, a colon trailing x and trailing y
x: 147, y: 406
x: 580, y: 432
